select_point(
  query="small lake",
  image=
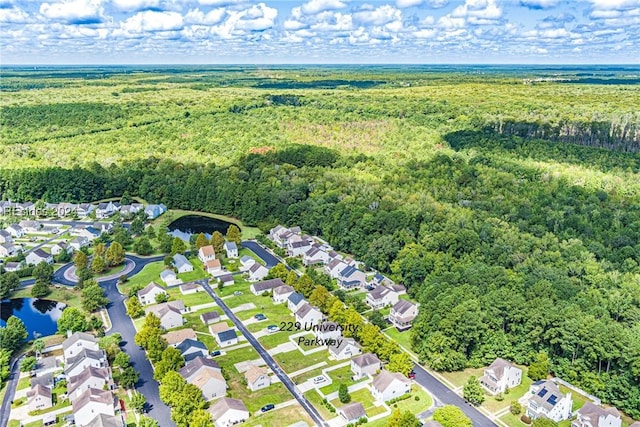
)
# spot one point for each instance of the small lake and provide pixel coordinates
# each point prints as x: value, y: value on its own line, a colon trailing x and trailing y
x: 40, y: 316
x: 187, y: 225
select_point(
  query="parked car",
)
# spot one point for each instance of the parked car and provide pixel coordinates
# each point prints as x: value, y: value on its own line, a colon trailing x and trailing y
x: 268, y: 407
x: 215, y: 353
x: 272, y: 328
x: 260, y: 316
x: 320, y: 379
x: 412, y: 375
x: 237, y: 293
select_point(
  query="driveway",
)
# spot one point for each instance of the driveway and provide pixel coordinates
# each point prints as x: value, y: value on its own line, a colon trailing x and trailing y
x: 259, y: 250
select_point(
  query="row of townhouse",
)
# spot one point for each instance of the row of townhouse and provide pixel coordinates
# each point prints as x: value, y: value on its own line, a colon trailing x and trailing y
x: 82, y: 210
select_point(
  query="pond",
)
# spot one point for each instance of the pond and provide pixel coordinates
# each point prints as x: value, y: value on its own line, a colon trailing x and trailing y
x: 187, y: 225
x: 40, y: 316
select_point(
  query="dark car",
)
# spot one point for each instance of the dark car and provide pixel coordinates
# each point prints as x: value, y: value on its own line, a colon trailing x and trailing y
x: 268, y: 407
x: 215, y: 353
x: 260, y: 316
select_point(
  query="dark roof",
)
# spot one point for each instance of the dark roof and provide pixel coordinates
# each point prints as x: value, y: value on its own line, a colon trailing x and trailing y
x: 189, y: 343
x: 210, y: 315
x: 45, y: 380
x: 296, y: 298
x: 348, y: 271
x: 226, y: 278
x: 42, y: 254
x: 267, y: 285
x: 227, y: 335
x: 353, y: 411
x: 402, y: 306
x: 192, y: 366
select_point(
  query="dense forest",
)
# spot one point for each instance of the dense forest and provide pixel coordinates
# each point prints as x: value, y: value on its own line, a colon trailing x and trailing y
x: 515, y: 239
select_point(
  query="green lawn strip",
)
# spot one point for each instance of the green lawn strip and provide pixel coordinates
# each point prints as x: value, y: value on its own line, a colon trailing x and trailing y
x: 150, y: 273
x: 245, y: 298
x: 493, y: 405
x: 412, y: 405
x: 283, y: 416
x: 190, y: 299
x: 254, y: 400
x: 58, y: 403
x: 197, y: 273
x: 578, y: 399
x: 308, y: 338
x: 299, y: 379
x: 459, y: 378
x: 228, y: 360
x: 65, y: 294
x: 294, y: 360
x: 273, y: 340
x: 23, y: 383
x: 512, y: 420
x: 339, y: 376
x: 402, y: 338
x: 315, y: 399
x: 36, y: 423
x: 363, y: 396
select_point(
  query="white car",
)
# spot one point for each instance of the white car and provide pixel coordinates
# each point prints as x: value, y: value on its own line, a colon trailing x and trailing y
x: 319, y: 380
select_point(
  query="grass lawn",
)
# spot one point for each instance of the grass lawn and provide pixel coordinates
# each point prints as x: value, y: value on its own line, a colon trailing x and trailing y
x: 244, y: 251
x: 24, y: 383
x: 190, y: 299
x: 415, y: 406
x: 578, y: 399
x: 294, y: 360
x: 228, y: 360
x: 197, y: 273
x: 150, y: 273
x: 254, y: 400
x: 299, y: 379
x: 316, y: 401
x: 283, y: 416
x: 363, y: 396
x: 402, y: 338
x: 459, y: 378
x: 65, y: 294
x: 512, y: 420
x: 340, y: 375
x: 493, y: 405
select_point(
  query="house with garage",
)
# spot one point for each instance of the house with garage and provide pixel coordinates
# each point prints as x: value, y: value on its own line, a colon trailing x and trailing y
x: 85, y: 209
x: 77, y: 342
x: 343, y: 349
x: 79, y: 242
x: 381, y: 297
x: 38, y: 398
x: 182, y: 264
x: 402, y: 314
x: 267, y: 285
x: 257, y: 272
x: 281, y: 293
x: 351, y: 278
x: 194, y: 366
x: 86, y: 358
x: 227, y: 412
x: 366, y: 364
x: 591, y: 415
x: 5, y: 237
x: 15, y: 230
x: 298, y: 246
x: 102, y: 420
x: 91, y: 403
x: 148, y: 294
x: 105, y: 210
x: 103, y: 227
x: 30, y: 226
x: 226, y: 338
x: 206, y: 253
x: 295, y: 301
x: 211, y: 383
x: 61, y: 247
x: 500, y: 375
x: 190, y: 288
x: 308, y: 315
x: 169, y: 313
x: 174, y: 338
x: 226, y: 279
x: 546, y: 400
x: 190, y: 349
x: 7, y: 250
x: 315, y: 256
x: 389, y: 385
x: 37, y: 256
x: 334, y: 268
x: 90, y: 377
x: 170, y: 278
x: 66, y: 209
x: 352, y: 412
x: 11, y: 266
x: 210, y: 317
x: 246, y: 262
x: 257, y: 378
x: 231, y: 249
x: 154, y: 211
x: 214, y: 267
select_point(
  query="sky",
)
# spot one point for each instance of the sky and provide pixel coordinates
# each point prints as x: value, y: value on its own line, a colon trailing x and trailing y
x: 319, y: 31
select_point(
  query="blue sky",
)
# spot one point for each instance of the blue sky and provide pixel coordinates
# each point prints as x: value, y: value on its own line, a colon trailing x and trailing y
x: 319, y: 31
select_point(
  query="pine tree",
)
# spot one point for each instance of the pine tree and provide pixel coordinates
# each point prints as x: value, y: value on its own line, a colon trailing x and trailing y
x: 234, y: 235
x: 201, y: 241
x: 217, y: 241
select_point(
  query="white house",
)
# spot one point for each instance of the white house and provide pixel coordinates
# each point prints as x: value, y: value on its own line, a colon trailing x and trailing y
x: 281, y: 293
x: 334, y: 268
x: 191, y: 349
x: 308, y: 315
x: 5, y: 237
x: 591, y: 415
x: 190, y: 288
x: 15, y: 230
x: 154, y: 211
x: 352, y: 412
x: 350, y: 277
x: 105, y: 210
x: 76, y: 364
x: 231, y: 249
x: 380, y: 297
x: 327, y: 330
x: 227, y: 412
x: 500, y: 375
x: 77, y: 342
x: 210, y: 317
x: 37, y: 256
x: 257, y: 378
x: 39, y: 397
x: 402, y: 314
x: 546, y: 400
x: 344, y: 349
x: 91, y: 403
x: 226, y: 338
x: 213, y: 267
x: 90, y: 377
x: 147, y: 295
x: 226, y: 279
x: 169, y: 313
x: 175, y: 338
x: 257, y: 272
x: 60, y: 247
x: 267, y: 285
x: 365, y: 364
x: 389, y: 385
x: 246, y: 262
x: 182, y: 264
x: 206, y: 253
x: 315, y: 256
x: 298, y: 246
x: 7, y: 250
x: 295, y: 301
x: 170, y: 278
x: 85, y: 209
x: 30, y: 226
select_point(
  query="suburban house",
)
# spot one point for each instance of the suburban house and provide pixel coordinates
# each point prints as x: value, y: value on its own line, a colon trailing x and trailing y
x: 379, y: 280
x: 5, y: 237
x: 11, y: 266
x: 15, y: 230
x: 346, y: 349
x: 77, y: 342
x: 257, y: 272
x: 105, y: 210
x: 295, y: 301
x: 257, y: 378
x: 365, y: 364
x: 388, y: 385
x: 103, y: 227
x: 213, y: 267
x: 231, y: 249
x: 267, y: 285
x: 91, y: 403
x: 206, y: 253
x: 169, y: 313
x: 381, y: 297
x: 170, y: 278
x: 281, y: 293
x: 546, y: 400
x: 102, y: 420
x: 226, y: 338
x: 315, y: 256
x: 227, y: 412
x: 174, y: 338
x: 30, y: 226
x: 84, y: 209
x: 190, y: 288
x: 147, y: 295
x: 7, y: 250
x: 500, y: 375
x: 328, y: 330
x: 66, y: 209
x: 591, y: 415
x: 352, y: 412
x: 334, y: 268
x: 298, y: 246
x: 90, y: 377
x: 45, y: 380
x: 281, y: 235
x: 37, y: 256
x: 190, y: 349
x: 154, y: 211
x: 402, y: 314
x: 75, y: 365
x: 350, y: 277
x: 226, y: 279
x: 89, y: 232
x: 210, y: 317
x: 39, y: 397
x: 308, y: 315
x: 246, y: 262
x: 182, y: 264
x: 210, y: 382
x: 192, y: 367
x: 79, y: 242
x: 61, y: 247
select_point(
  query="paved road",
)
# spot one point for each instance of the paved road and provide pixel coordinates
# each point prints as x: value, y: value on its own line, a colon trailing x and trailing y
x: 315, y: 416
x: 259, y: 250
x: 12, y: 384
x: 448, y: 397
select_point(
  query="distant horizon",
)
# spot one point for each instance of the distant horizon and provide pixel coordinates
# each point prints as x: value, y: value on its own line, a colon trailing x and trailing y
x: 325, y: 64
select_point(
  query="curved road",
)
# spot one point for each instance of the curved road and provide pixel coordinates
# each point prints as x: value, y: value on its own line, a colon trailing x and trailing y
x: 12, y: 384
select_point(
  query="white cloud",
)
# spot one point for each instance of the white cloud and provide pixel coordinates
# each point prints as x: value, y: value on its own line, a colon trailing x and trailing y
x: 257, y: 18
x: 403, y: 4
x: 483, y: 9
x: 425, y: 33
x: 151, y: 21
x: 292, y: 24
x: 334, y: 21
x: 379, y: 16
x: 14, y: 15
x: 539, y: 4
x: 614, y: 4
x: 134, y: 5
x: 74, y: 11
x: 213, y: 17
x: 220, y: 3
x: 449, y: 23
x: 316, y: 6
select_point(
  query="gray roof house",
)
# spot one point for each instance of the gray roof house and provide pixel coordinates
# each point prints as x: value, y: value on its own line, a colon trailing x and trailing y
x: 267, y: 285
x: 182, y: 264
x: 352, y: 412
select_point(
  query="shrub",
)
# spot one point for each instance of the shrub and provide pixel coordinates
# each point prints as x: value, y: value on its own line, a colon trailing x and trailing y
x: 515, y: 408
x: 525, y: 419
